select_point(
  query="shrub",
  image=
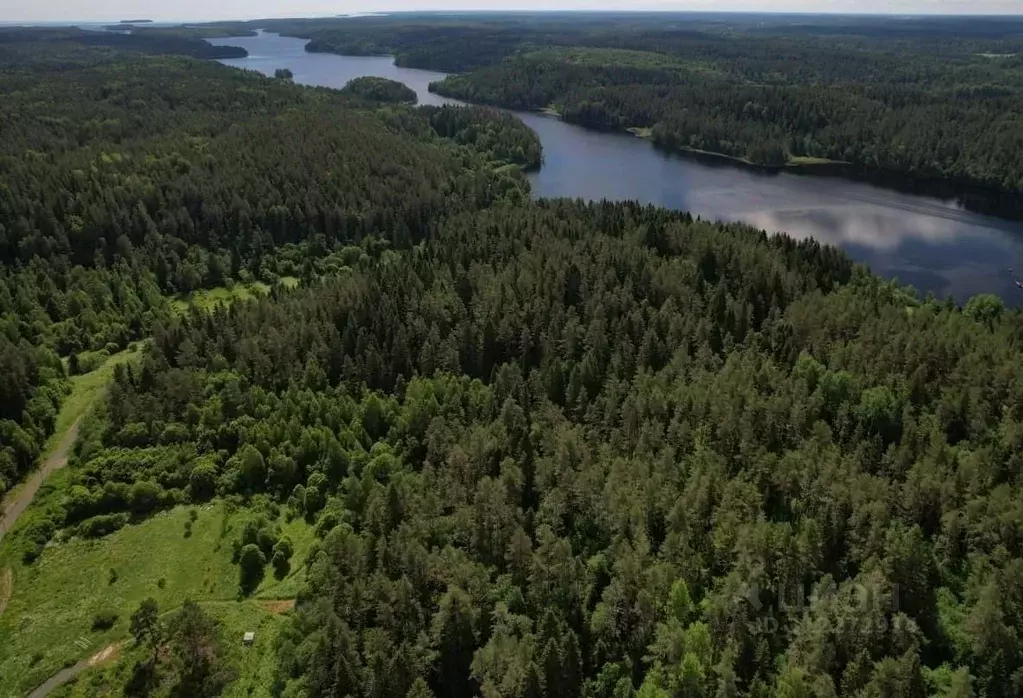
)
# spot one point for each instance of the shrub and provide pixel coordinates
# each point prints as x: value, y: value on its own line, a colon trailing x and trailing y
x: 104, y: 620
x: 252, y: 564
x: 202, y: 483
x: 99, y: 526
x: 144, y: 497
x: 281, y: 565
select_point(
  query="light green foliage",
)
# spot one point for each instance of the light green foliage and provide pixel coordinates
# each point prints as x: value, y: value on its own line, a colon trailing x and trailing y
x: 57, y: 597
x: 680, y: 603
x: 208, y: 299
x: 986, y: 308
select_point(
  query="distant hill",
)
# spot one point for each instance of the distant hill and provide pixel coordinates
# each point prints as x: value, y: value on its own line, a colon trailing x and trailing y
x: 136, y: 21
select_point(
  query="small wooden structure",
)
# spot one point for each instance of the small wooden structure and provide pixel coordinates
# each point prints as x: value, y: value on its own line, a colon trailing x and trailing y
x: 249, y: 638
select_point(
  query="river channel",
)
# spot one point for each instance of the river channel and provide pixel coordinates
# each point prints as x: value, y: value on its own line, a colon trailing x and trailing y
x: 932, y: 244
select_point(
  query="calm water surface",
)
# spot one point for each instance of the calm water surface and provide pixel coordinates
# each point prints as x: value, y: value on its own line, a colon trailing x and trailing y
x: 929, y: 243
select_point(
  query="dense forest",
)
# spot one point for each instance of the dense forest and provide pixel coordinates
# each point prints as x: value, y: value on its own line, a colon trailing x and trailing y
x: 177, y: 42
x: 548, y: 448
x: 935, y: 98
x: 127, y: 181
x: 565, y: 449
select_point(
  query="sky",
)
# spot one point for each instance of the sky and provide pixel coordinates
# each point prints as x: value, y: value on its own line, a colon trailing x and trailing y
x: 196, y: 10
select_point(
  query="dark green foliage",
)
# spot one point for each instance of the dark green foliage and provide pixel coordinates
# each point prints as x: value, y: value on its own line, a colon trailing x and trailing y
x: 600, y: 447
x: 104, y: 620
x: 489, y: 131
x: 252, y: 567
x: 454, y: 636
x: 145, y: 624
x: 127, y: 179
x: 549, y: 448
x: 702, y: 98
x: 281, y: 560
x: 930, y: 97
x: 380, y: 90
x: 196, y: 653
x: 147, y: 40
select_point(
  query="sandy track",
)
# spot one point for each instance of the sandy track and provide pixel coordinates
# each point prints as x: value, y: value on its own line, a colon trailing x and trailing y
x: 16, y: 504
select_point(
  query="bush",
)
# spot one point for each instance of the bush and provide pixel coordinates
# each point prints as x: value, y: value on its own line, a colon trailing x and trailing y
x: 99, y: 526
x: 89, y: 361
x: 252, y: 564
x: 202, y: 483
x: 281, y: 565
x: 104, y: 620
x: 144, y: 497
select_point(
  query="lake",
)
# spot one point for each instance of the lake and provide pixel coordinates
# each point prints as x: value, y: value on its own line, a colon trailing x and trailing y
x: 929, y: 243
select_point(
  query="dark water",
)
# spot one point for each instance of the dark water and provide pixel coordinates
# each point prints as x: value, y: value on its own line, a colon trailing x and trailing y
x: 932, y: 244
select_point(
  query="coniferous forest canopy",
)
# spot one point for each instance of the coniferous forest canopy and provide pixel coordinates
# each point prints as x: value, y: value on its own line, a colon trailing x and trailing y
x: 545, y: 448
x: 932, y: 97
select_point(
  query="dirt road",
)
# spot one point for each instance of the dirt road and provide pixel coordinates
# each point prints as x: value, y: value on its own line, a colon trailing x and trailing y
x: 65, y: 675
x: 17, y: 502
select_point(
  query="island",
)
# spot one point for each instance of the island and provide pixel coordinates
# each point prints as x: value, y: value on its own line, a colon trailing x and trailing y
x: 380, y: 90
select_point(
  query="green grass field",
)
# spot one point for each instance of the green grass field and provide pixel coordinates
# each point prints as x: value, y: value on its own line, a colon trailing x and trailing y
x: 207, y: 299
x: 48, y: 622
x: 84, y: 391
x: 253, y: 665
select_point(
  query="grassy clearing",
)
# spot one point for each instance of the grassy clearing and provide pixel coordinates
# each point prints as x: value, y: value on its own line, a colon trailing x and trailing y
x: 302, y: 537
x: 84, y: 391
x: 48, y: 622
x: 207, y: 299
x: 253, y: 665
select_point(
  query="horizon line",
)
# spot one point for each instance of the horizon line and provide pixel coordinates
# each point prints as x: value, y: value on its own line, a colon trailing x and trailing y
x: 535, y: 11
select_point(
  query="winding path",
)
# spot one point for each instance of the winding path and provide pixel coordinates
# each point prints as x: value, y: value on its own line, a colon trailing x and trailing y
x: 65, y: 675
x: 17, y: 502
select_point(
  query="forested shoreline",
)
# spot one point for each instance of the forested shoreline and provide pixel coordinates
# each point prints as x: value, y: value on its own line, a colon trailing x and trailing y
x: 542, y: 448
x: 931, y: 101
